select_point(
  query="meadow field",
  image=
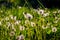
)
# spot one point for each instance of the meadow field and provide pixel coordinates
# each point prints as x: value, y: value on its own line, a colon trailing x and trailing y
x: 23, y: 23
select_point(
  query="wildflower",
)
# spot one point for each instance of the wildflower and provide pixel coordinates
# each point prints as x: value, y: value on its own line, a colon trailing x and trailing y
x: 17, y: 22
x: 27, y: 16
x: 12, y: 33
x: 26, y: 21
x: 41, y: 11
x: 44, y: 27
x: 21, y: 37
x: 54, y: 29
x: 32, y: 24
x: 22, y: 28
x: 46, y: 14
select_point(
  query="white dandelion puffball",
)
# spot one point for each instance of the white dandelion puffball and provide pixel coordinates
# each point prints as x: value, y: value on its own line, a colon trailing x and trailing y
x: 32, y: 24
x: 40, y: 11
x: 54, y: 29
x: 46, y: 14
x: 22, y: 28
x: 21, y: 37
x: 17, y: 22
x: 44, y: 27
x: 28, y: 16
x: 12, y: 33
x: 26, y: 21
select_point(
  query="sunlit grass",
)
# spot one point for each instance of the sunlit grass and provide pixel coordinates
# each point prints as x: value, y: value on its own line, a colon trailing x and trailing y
x: 34, y: 24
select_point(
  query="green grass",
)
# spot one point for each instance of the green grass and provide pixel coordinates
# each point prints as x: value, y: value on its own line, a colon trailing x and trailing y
x: 36, y: 32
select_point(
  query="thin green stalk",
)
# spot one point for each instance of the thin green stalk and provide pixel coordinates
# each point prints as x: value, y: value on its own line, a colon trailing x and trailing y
x: 54, y: 36
x: 41, y: 4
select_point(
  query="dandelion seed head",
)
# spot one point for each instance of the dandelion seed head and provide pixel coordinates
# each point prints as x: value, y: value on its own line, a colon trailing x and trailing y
x: 46, y: 14
x: 17, y: 22
x: 12, y: 33
x: 26, y: 21
x: 54, y: 29
x: 41, y: 11
x: 22, y: 28
x: 32, y: 24
x: 28, y: 16
x: 44, y: 27
x: 21, y: 37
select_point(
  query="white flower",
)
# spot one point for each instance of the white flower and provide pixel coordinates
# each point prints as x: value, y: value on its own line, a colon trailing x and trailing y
x: 32, y: 24
x: 17, y: 22
x: 40, y: 11
x: 12, y: 33
x: 27, y: 16
x: 46, y: 14
x: 21, y: 37
x: 54, y: 29
x: 22, y: 28
x: 44, y: 27
x: 26, y: 21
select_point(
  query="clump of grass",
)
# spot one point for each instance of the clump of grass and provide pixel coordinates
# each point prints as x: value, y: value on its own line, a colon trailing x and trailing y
x: 29, y: 24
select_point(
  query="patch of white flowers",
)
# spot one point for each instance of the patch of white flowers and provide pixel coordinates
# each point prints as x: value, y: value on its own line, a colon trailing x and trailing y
x: 21, y: 37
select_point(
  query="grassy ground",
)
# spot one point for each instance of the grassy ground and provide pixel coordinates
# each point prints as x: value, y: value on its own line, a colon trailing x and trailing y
x: 21, y: 23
